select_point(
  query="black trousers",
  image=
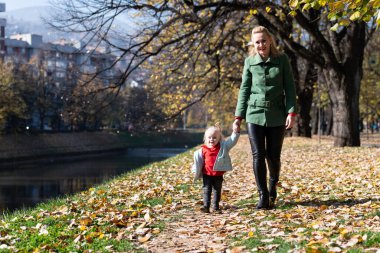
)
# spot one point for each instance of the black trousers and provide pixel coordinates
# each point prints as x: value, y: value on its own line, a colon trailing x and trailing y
x: 266, y: 143
x: 212, y: 183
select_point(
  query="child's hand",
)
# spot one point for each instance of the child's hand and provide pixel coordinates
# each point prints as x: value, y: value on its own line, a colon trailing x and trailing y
x: 236, y: 126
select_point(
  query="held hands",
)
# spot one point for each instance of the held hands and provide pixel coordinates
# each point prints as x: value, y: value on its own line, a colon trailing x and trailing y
x: 236, y: 126
x: 290, y: 121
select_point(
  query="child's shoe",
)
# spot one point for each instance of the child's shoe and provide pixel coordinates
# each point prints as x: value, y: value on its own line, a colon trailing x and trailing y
x: 205, y: 209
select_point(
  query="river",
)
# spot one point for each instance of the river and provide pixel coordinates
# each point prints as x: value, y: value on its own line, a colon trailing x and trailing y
x: 27, y: 185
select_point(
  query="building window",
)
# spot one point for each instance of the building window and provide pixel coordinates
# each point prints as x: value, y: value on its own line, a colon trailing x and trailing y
x: 61, y: 64
x: 51, y: 64
x: 61, y: 74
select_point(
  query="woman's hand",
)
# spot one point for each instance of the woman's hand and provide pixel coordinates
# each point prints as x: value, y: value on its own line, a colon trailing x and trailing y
x: 290, y: 121
x: 236, y: 126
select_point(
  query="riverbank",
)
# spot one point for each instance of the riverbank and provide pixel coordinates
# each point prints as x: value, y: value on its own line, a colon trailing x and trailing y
x: 24, y: 148
x: 328, y: 201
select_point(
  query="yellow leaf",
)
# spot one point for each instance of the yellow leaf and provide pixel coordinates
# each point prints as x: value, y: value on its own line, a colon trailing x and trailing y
x: 323, y: 2
x: 355, y: 16
x: 293, y: 13
x: 293, y: 4
x: 268, y: 9
x: 344, y: 22
x: 306, y: 7
x: 313, y: 250
x: 169, y: 200
x: 376, y: 4
x: 335, y: 27
x: 253, y: 12
x: 100, y: 192
x: 367, y: 18
x: 337, y: 6
x: 85, y: 221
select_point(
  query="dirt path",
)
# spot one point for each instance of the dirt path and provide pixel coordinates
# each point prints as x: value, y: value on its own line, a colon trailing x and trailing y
x: 189, y: 230
x: 313, y: 194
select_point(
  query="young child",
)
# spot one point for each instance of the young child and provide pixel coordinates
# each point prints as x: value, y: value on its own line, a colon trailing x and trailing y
x: 211, y: 162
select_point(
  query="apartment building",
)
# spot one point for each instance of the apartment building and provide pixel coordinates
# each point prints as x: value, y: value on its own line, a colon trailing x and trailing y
x: 59, y: 58
x: 58, y: 65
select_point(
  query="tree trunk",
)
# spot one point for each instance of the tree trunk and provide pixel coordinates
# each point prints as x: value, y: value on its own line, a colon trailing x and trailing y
x: 344, y: 83
x: 344, y: 93
x: 316, y: 120
x: 305, y: 100
x: 304, y: 88
x: 330, y: 119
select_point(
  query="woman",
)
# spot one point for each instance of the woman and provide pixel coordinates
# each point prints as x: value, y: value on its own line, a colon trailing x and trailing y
x: 267, y: 102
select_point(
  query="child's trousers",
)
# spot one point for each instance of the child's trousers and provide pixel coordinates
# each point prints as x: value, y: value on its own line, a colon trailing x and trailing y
x: 212, y: 183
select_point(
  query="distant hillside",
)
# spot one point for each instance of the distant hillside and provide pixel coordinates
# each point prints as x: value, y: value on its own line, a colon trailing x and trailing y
x: 30, y: 20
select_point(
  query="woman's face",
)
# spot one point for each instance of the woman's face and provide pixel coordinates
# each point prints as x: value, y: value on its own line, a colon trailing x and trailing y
x: 261, y: 42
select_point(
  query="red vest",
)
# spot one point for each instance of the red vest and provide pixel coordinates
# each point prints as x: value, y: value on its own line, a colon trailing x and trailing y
x: 209, y: 158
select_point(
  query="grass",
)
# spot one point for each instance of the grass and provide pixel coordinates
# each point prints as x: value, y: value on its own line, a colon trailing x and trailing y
x: 183, y: 187
x: 256, y: 242
x: 373, y: 239
x: 154, y: 201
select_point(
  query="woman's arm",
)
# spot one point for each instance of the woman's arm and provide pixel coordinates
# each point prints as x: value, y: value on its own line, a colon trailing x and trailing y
x: 290, y: 94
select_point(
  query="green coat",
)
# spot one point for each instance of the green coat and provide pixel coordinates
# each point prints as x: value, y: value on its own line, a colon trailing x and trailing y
x: 267, y: 92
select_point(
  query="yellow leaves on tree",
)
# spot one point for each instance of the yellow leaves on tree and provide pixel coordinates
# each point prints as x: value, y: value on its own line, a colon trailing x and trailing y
x: 342, y: 11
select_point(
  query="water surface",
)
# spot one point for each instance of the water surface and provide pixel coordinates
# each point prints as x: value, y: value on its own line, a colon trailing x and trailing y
x: 27, y: 185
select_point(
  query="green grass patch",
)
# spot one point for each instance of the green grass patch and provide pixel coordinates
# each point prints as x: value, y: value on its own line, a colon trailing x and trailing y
x: 262, y: 244
x: 182, y: 187
x: 154, y: 201
x: 373, y: 239
x: 355, y: 250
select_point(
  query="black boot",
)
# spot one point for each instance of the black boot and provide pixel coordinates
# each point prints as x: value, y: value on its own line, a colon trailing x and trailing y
x: 272, y: 193
x: 263, y: 200
x: 274, y: 174
x: 261, y: 182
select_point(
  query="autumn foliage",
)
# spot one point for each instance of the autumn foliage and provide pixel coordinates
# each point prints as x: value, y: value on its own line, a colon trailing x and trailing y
x: 328, y: 202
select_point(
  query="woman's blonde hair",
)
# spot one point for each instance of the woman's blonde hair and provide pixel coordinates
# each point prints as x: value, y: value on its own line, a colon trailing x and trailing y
x: 215, y: 128
x: 273, y: 45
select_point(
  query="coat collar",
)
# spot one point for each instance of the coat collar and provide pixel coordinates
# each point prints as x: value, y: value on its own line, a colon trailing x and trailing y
x: 256, y: 60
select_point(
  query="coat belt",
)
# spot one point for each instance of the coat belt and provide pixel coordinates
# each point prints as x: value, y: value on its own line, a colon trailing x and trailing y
x: 263, y: 103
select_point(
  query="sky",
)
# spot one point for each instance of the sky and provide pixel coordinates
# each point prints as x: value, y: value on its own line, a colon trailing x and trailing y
x: 18, y: 4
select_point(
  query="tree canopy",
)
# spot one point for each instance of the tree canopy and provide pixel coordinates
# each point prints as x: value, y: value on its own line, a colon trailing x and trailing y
x: 194, y: 48
x: 343, y: 12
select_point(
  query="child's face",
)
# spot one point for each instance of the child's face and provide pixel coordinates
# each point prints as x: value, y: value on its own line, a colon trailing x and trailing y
x: 212, y: 138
